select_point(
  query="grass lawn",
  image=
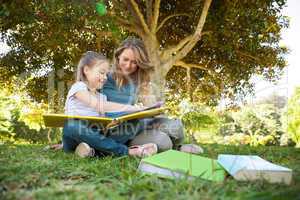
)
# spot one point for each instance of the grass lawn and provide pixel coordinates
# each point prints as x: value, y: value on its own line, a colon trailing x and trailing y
x: 28, y: 172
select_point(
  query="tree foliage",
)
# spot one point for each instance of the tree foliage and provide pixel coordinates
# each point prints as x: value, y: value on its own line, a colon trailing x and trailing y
x: 292, y: 117
x: 224, y: 42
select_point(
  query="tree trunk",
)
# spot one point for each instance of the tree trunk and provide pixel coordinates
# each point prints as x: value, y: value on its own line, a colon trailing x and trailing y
x: 158, y: 75
x: 157, y: 84
x: 146, y: 27
x: 188, y: 83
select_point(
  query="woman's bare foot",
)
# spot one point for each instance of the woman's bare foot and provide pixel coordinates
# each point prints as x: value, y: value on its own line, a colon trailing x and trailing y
x: 144, y: 150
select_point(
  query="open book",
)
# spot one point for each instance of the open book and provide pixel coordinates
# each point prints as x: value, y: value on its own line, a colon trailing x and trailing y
x: 176, y: 164
x: 123, y: 113
x: 251, y: 168
x: 110, y: 120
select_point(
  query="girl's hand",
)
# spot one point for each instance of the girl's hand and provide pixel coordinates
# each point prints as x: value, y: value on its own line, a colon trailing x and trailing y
x: 139, y: 107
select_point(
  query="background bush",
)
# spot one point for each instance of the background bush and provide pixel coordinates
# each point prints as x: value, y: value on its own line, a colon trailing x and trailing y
x: 21, y: 120
x: 255, y: 124
x: 264, y: 123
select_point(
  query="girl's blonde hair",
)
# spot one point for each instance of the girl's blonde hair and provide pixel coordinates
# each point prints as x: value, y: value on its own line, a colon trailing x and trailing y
x: 89, y: 59
x: 141, y: 76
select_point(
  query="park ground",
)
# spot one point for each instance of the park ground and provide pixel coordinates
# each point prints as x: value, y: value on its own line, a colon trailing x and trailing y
x: 30, y: 172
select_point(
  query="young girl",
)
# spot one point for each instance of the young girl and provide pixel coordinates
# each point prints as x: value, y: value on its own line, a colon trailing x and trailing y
x: 83, y: 99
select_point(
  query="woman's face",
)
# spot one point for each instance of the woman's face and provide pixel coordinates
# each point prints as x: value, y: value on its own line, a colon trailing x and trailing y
x: 127, y: 62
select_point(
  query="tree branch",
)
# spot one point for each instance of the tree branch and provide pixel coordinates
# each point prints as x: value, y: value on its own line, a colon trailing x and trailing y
x: 132, y: 27
x: 149, y: 10
x: 206, y: 33
x: 97, y: 32
x: 139, y: 16
x: 166, y: 54
x: 197, y: 34
x: 189, y: 65
x: 155, y: 16
x: 128, y: 26
x: 169, y: 17
x: 248, y: 55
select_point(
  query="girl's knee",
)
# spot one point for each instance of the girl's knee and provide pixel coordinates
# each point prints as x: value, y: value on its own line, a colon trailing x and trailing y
x: 69, y: 143
x: 68, y: 131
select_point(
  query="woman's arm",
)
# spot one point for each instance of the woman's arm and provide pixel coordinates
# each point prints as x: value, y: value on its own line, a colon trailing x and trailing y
x: 103, y: 106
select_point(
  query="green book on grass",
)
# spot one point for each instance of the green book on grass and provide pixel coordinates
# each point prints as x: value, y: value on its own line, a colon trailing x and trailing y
x: 176, y: 164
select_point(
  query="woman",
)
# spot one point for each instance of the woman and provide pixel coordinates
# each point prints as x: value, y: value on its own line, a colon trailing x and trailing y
x: 129, y: 83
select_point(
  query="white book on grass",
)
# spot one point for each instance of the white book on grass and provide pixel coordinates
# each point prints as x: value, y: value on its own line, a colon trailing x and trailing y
x: 250, y: 168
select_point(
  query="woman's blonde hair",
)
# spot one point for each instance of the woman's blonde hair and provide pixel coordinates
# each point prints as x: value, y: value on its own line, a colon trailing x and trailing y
x: 89, y: 59
x: 141, y: 76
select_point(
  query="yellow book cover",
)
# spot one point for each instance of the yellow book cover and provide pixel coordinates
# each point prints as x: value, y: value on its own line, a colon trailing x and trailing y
x: 57, y: 120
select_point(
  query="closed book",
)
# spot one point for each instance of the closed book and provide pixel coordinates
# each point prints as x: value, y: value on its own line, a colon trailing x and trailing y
x: 251, y: 168
x: 176, y: 164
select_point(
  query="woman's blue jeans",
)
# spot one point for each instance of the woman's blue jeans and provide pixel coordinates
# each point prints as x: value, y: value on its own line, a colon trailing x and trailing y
x: 77, y: 131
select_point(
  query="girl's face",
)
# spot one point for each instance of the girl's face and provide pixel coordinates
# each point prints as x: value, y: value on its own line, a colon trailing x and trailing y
x: 127, y: 62
x: 96, y: 75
